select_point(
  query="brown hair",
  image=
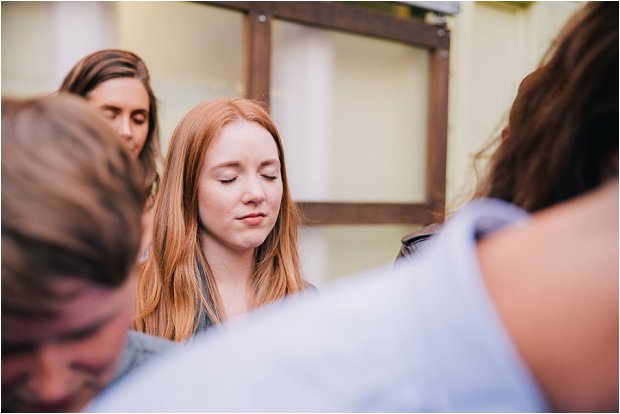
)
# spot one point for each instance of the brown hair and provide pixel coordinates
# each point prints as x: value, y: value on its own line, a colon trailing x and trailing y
x: 72, y: 198
x: 564, y: 123
x: 172, y: 290
x: 107, y: 64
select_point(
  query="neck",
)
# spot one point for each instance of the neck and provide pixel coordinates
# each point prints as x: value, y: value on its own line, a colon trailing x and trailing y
x: 232, y: 271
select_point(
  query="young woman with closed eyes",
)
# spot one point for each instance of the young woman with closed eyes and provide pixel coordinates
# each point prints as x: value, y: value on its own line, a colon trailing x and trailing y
x: 117, y: 82
x: 224, y: 235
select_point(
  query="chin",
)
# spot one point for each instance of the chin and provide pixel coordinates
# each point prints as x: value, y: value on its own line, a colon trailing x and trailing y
x: 252, y: 242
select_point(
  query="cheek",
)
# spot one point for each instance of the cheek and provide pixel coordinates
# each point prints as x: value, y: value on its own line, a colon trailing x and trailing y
x: 141, y: 135
x: 12, y: 368
x: 275, y: 196
x: 214, y: 201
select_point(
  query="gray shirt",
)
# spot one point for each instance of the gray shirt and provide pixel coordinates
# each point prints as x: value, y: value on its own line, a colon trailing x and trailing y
x: 140, y: 348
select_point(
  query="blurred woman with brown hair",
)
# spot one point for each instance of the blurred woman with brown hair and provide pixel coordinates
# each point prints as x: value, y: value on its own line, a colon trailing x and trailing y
x: 118, y: 83
x: 530, y: 168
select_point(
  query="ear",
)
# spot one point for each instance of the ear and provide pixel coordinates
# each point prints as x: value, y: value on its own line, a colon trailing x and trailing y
x: 505, y: 133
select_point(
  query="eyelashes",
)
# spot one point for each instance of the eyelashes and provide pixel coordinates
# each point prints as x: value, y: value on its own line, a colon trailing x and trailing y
x: 233, y: 179
x: 138, y: 119
x: 227, y: 180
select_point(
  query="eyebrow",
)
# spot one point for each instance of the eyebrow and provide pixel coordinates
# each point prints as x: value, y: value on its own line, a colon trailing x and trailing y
x: 272, y: 161
x: 227, y: 164
x: 107, y: 107
x: 236, y: 164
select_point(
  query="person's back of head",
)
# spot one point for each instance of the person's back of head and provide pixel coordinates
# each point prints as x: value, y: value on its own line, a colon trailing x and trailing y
x: 562, y: 134
x: 563, y: 138
x: 72, y: 199
x: 70, y: 194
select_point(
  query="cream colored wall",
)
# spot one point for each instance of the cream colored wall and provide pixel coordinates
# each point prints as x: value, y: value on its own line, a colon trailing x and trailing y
x: 25, y: 73
x: 494, y: 45
x: 194, y: 53
x: 352, y: 114
x: 42, y: 40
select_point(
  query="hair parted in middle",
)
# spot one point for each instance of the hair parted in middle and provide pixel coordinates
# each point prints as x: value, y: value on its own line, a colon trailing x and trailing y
x: 103, y: 65
x: 172, y: 290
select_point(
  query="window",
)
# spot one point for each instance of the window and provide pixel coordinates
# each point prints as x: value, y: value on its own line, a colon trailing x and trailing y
x: 267, y: 27
x: 360, y: 97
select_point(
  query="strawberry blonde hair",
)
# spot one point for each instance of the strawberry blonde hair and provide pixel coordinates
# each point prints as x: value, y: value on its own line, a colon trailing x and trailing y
x: 176, y: 285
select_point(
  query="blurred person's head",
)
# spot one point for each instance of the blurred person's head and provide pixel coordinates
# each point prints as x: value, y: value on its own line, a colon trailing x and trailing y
x: 72, y: 198
x: 224, y: 182
x: 519, y: 101
x: 563, y: 126
x: 117, y: 82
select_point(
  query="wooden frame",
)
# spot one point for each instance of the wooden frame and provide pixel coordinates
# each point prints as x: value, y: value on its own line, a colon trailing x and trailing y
x: 337, y: 16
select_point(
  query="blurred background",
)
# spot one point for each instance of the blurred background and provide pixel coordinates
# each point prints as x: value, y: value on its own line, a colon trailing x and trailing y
x: 381, y: 105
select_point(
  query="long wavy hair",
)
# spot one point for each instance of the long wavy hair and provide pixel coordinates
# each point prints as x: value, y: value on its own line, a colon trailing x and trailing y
x: 563, y: 128
x: 176, y: 284
x: 103, y: 65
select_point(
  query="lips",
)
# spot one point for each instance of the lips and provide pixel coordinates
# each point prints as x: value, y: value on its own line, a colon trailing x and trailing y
x: 253, y: 219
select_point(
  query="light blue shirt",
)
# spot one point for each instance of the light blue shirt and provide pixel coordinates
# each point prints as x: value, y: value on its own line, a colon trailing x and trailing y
x: 422, y: 336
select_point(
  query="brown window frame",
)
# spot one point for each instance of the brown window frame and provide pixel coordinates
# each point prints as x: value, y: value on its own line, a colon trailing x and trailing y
x: 352, y: 19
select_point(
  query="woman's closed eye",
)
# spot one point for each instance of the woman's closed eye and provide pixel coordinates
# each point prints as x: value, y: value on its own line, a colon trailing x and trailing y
x: 109, y: 113
x: 139, y: 117
x: 226, y: 180
x: 139, y: 120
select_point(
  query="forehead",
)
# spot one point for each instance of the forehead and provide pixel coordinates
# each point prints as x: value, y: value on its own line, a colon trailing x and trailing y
x: 121, y: 92
x: 244, y: 141
x: 81, y: 304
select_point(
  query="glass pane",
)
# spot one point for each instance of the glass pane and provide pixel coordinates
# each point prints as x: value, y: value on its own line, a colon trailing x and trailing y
x: 194, y: 52
x: 334, y: 251
x: 352, y: 111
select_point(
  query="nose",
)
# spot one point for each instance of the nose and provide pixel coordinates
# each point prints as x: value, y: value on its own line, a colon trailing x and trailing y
x: 50, y: 377
x: 253, y: 191
x: 123, y: 125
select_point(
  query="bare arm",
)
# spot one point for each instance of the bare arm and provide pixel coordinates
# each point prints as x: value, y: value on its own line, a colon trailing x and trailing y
x: 555, y: 286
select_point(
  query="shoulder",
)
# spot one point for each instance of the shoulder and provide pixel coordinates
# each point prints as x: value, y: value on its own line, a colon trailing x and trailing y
x: 554, y: 283
x: 139, y: 349
x: 144, y: 344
